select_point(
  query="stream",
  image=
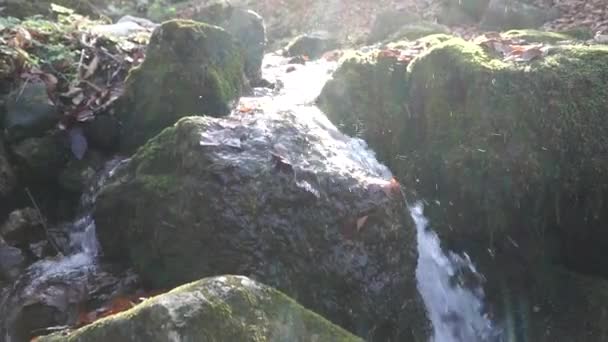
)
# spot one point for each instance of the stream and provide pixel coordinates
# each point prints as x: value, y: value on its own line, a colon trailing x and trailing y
x: 53, y: 290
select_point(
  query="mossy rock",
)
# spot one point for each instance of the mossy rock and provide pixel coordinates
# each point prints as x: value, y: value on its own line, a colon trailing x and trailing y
x: 41, y: 159
x: 508, y: 156
x: 536, y: 36
x: 312, y: 45
x: 224, y: 308
x: 190, y: 68
x: 365, y: 88
x: 215, y: 195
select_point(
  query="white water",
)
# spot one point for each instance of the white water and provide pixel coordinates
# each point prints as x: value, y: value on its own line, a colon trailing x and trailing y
x: 455, y: 310
x: 62, y: 281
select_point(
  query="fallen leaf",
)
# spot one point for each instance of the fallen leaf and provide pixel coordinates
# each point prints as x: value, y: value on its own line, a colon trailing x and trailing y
x: 92, y: 67
x: 361, y: 222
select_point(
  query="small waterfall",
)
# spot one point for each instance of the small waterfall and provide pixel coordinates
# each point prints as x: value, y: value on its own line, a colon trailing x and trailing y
x: 455, y: 309
x: 62, y: 282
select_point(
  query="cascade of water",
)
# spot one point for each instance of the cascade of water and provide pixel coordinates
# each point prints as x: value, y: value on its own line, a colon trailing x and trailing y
x: 455, y: 310
x: 63, y: 281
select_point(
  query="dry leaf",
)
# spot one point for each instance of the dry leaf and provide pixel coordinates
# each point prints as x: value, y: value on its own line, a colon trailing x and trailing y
x: 92, y: 67
x: 361, y: 222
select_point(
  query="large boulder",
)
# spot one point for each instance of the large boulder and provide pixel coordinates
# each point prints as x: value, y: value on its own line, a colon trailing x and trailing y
x: 392, y: 25
x: 190, y: 68
x: 245, y: 25
x: 312, y: 45
x: 515, y: 14
x: 41, y: 159
x: 508, y: 155
x: 283, y: 198
x: 224, y: 308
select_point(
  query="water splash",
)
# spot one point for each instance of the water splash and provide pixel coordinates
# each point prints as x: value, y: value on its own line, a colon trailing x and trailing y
x: 455, y: 309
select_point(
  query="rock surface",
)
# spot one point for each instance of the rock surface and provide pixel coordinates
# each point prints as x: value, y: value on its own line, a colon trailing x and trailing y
x: 29, y: 112
x: 190, y: 69
x: 284, y: 198
x: 8, y: 180
x: 311, y: 45
x: 489, y: 144
x: 245, y: 25
x: 224, y: 308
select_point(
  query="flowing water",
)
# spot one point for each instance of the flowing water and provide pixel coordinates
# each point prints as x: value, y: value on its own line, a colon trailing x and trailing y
x: 55, y: 287
x: 455, y: 309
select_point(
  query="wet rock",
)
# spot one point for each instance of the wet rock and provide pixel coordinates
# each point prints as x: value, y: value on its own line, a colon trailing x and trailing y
x: 8, y: 180
x: 51, y: 293
x: 41, y: 159
x: 29, y: 112
x: 12, y: 262
x: 311, y: 45
x: 509, y: 14
x: 295, y: 204
x: 507, y: 156
x: 78, y: 174
x: 190, y: 69
x: 23, y: 226
x: 225, y: 308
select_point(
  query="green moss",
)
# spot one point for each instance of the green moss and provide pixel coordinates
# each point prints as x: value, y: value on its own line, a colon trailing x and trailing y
x: 536, y: 36
x: 191, y: 68
x: 226, y: 308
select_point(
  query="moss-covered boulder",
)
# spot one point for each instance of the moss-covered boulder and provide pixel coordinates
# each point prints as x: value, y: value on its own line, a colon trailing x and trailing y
x: 282, y: 198
x: 312, y: 45
x: 508, y: 155
x: 190, y: 68
x: 393, y: 25
x: 224, y: 308
x: 41, y: 159
x: 515, y: 14
x: 245, y: 25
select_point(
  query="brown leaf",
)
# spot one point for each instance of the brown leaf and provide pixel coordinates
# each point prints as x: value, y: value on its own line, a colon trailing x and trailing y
x: 361, y: 222
x: 92, y: 67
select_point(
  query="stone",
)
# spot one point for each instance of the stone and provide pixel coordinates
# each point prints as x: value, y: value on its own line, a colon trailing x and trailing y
x: 312, y: 45
x: 23, y: 226
x: 190, y: 69
x: 508, y: 158
x: 29, y: 112
x: 283, y: 198
x: 393, y: 25
x: 223, y: 308
x: 12, y: 262
x: 41, y: 159
x: 245, y: 25
x: 515, y: 14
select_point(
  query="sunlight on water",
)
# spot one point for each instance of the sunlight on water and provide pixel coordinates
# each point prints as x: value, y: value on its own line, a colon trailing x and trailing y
x: 455, y: 309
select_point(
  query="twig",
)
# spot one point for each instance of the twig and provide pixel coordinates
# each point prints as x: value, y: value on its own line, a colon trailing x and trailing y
x: 44, y: 224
